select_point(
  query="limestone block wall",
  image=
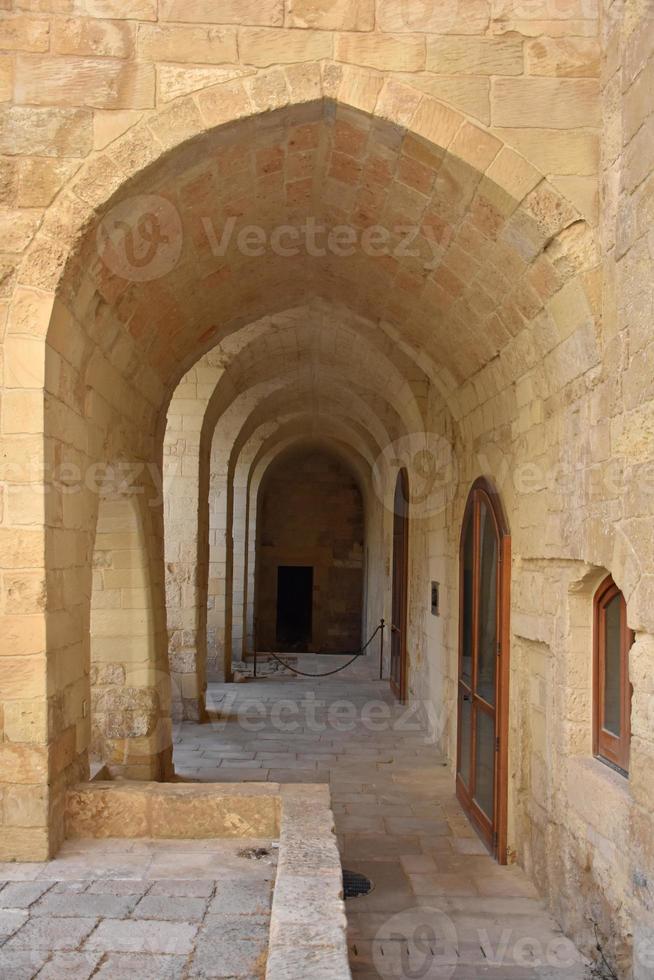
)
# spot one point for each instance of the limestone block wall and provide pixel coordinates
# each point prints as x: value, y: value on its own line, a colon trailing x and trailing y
x: 129, y: 703
x: 547, y: 383
x: 311, y: 513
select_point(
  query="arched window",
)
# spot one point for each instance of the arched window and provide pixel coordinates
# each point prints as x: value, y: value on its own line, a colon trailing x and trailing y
x: 612, y: 695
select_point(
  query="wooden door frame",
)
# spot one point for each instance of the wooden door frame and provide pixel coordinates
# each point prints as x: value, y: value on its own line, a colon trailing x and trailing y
x: 484, y: 489
x: 400, y: 691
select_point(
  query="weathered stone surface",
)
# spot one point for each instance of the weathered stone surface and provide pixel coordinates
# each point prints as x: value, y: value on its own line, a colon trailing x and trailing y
x: 51, y: 934
x: 335, y: 15
x: 150, y: 809
x: 214, y: 957
x: 26, y: 806
x: 211, y: 45
x: 178, y: 887
x: 145, y: 966
x: 173, y: 80
x: 182, y: 909
x: 317, y: 961
x: 382, y: 51
x: 22, y: 763
x: 21, y: 32
x: 22, y: 894
x: 224, y: 103
x: 73, y: 966
x: 267, y: 13
x: 101, y: 83
x: 555, y: 103
x: 6, y: 76
x: 475, y: 56
x: 45, y: 132
x: 557, y: 151
x: 567, y: 58
x: 262, y: 47
x: 64, y: 905
x: 21, y: 964
x: 433, y: 16
x: 107, y: 811
x: 89, y: 37
x: 127, y: 9
x: 122, y: 936
x: 253, y: 899
x: 39, y: 180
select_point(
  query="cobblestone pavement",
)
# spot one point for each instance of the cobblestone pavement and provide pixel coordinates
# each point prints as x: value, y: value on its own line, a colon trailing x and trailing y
x: 138, y: 910
x: 440, y: 907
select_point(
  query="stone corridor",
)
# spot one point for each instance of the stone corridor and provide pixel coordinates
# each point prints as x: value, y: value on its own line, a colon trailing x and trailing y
x: 440, y: 906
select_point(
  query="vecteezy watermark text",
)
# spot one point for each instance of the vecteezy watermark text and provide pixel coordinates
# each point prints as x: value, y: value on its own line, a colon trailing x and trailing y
x: 318, y: 240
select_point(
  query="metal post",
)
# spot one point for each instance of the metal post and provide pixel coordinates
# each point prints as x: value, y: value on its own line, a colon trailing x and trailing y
x: 381, y: 651
x: 255, y: 660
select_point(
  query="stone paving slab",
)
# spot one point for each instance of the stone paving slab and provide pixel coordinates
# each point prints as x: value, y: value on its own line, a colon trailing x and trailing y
x: 142, y: 928
x: 130, y: 966
x: 397, y: 820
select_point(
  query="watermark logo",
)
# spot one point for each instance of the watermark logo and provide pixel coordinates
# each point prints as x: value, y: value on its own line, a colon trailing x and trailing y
x: 431, y: 472
x: 418, y: 944
x: 141, y: 238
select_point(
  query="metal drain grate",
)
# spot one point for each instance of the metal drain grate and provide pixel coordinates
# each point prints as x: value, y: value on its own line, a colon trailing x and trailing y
x: 355, y: 884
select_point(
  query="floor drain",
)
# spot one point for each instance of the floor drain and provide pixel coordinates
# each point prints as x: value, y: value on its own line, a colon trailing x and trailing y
x: 355, y: 884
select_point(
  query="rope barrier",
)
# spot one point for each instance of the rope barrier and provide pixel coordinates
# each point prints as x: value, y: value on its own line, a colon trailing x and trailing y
x: 328, y: 673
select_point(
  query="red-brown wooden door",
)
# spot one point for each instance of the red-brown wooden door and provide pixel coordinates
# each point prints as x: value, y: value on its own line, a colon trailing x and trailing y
x: 485, y: 557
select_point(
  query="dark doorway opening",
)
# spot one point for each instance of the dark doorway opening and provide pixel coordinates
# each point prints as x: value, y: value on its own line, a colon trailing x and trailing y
x: 294, y: 606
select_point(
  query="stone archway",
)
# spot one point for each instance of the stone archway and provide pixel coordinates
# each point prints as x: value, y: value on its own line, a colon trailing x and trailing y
x: 506, y: 245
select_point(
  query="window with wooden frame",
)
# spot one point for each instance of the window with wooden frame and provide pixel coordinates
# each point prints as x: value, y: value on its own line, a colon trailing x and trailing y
x: 612, y: 689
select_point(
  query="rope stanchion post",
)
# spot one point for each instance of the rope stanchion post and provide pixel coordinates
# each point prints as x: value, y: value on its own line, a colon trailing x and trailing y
x: 382, y: 627
x: 255, y: 661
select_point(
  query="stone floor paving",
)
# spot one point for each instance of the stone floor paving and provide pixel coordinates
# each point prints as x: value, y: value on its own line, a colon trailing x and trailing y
x: 440, y: 906
x: 138, y: 910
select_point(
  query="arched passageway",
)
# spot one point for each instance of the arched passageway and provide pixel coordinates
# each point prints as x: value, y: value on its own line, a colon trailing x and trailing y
x: 466, y: 332
x: 310, y: 555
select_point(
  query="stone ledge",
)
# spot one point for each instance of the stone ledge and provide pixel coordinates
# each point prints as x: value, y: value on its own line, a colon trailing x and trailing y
x: 172, y: 810
x: 308, y: 928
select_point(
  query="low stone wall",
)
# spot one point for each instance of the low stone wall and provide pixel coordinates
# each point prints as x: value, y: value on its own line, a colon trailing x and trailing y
x: 308, y: 929
x: 172, y: 810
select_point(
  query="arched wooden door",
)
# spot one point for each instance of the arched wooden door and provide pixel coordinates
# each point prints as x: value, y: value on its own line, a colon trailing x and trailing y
x: 485, y: 565
x: 400, y: 585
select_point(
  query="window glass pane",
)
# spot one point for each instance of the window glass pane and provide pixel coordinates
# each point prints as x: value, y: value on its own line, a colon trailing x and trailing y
x: 466, y: 739
x: 485, y: 763
x: 487, y: 605
x: 468, y: 564
x: 612, y: 666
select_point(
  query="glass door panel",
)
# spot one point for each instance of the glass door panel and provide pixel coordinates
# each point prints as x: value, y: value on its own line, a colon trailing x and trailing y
x: 487, y: 619
x: 467, y: 586
x: 465, y: 736
x: 482, y: 609
x: 484, y: 794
